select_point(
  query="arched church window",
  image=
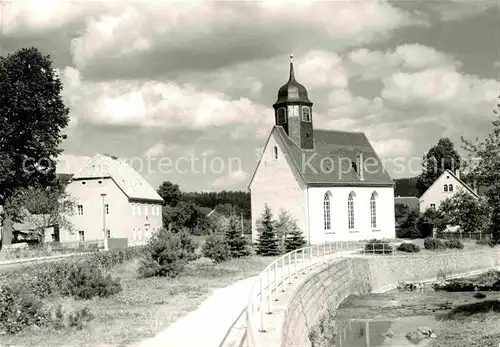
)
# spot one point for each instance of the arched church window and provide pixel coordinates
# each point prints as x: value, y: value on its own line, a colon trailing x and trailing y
x: 275, y: 152
x: 306, y: 114
x: 350, y: 210
x: 373, y: 210
x: 281, y: 116
x: 450, y: 188
x: 326, y: 212
x: 445, y: 187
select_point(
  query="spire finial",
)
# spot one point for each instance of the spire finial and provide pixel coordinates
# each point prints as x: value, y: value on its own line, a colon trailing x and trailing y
x: 292, y: 76
x: 291, y: 57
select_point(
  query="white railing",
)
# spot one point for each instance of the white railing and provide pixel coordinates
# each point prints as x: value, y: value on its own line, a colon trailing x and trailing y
x: 273, y: 278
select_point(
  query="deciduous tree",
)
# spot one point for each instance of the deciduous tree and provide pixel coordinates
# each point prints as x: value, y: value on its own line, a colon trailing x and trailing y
x: 484, y: 162
x: 170, y: 192
x: 441, y: 157
x: 32, y: 118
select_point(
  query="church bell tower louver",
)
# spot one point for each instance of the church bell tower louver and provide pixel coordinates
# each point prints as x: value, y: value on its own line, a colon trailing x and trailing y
x: 293, y: 111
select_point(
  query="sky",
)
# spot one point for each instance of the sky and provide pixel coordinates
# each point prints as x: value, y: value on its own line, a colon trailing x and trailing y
x: 183, y: 90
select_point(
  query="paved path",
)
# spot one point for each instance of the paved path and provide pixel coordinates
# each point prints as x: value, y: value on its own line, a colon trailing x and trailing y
x: 210, y: 323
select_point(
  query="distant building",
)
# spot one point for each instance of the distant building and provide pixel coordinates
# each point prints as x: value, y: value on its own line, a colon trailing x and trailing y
x: 412, y: 202
x: 447, y: 185
x: 130, y: 207
x: 331, y: 181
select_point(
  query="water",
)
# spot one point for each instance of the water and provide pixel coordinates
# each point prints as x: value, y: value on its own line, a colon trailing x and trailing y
x: 380, y: 332
x: 376, y: 320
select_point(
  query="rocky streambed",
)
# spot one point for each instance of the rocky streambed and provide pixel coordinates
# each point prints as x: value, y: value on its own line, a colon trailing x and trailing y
x: 417, y: 314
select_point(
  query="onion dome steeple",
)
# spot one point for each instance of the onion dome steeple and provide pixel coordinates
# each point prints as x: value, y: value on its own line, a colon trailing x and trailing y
x: 292, y: 91
x: 293, y: 111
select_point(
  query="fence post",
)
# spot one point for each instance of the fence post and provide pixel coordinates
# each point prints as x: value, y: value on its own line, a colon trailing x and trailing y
x: 289, y: 268
x: 295, y: 264
x: 268, y: 291
x: 261, y: 305
x: 283, y: 274
x: 303, y: 261
x: 275, y: 295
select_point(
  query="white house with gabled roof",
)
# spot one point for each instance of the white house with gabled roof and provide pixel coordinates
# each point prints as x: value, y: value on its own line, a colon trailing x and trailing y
x: 112, y: 200
x: 332, y: 182
x: 447, y: 185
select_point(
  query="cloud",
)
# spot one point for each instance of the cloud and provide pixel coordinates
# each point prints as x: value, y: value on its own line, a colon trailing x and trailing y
x: 231, y: 179
x: 159, y: 149
x: 166, y: 105
x: 321, y: 69
x: 71, y: 163
x: 371, y: 65
x: 145, y: 39
x: 443, y: 87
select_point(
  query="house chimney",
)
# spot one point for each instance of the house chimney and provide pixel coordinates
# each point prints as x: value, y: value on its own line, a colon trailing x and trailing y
x: 457, y: 173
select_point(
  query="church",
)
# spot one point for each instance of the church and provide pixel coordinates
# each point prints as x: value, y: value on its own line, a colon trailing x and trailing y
x: 332, y: 182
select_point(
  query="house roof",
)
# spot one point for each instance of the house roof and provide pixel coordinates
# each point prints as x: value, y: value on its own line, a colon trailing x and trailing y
x: 129, y: 180
x: 451, y: 173
x: 411, y: 201
x: 338, y: 150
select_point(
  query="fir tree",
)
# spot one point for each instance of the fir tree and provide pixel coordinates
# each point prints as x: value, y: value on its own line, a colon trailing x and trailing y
x: 235, y: 239
x: 295, y: 238
x: 267, y: 243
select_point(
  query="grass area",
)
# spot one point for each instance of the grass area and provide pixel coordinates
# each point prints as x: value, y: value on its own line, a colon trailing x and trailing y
x: 144, y: 307
x: 472, y: 325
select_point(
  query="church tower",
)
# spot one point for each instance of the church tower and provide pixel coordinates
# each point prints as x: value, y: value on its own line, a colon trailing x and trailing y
x: 293, y: 111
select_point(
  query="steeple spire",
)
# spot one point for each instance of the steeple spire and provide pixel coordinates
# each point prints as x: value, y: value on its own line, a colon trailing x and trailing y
x: 292, y: 76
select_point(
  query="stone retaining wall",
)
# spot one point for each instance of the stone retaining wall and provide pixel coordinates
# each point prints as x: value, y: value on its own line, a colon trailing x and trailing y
x: 331, y: 285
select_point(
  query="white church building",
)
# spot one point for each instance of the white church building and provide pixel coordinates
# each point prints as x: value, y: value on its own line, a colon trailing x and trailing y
x: 331, y: 181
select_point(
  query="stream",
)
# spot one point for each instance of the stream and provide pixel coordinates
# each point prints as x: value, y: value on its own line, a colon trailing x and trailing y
x: 373, y: 320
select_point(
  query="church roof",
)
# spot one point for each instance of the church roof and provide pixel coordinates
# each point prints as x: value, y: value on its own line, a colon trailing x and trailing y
x: 331, y: 160
x: 128, y: 180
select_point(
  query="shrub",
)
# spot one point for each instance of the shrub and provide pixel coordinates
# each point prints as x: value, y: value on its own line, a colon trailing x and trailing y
x: 188, y: 245
x: 216, y: 248
x: 408, y: 247
x: 19, y: 310
x: 167, y: 254
x: 453, y: 244
x: 487, y: 242
x: 433, y: 244
x: 73, y: 319
x: 85, y: 283
x: 378, y: 247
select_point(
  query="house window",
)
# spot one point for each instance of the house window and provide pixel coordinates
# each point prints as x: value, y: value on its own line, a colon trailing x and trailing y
x: 80, y: 210
x: 108, y: 233
x: 445, y: 187
x: 326, y: 212
x: 106, y: 208
x: 433, y: 206
x: 281, y: 117
x: 275, y: 152
x: 306, y: 114
x: 81, y: 235
x: 450, y: 188
x: 373, y: 210
x: 350, y: 210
